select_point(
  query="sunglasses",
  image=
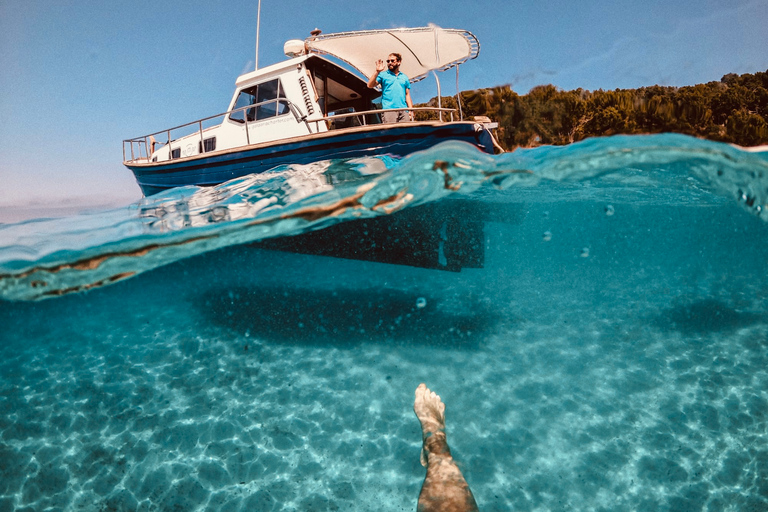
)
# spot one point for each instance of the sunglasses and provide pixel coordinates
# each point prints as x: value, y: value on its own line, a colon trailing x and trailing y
x: 391, y: 60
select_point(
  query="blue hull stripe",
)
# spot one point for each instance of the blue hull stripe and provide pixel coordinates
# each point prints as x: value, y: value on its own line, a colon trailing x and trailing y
x: 394, y: 140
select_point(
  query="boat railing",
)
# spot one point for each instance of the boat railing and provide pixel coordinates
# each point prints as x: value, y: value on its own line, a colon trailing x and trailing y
x: 140, y: 149
x: 360, y: 118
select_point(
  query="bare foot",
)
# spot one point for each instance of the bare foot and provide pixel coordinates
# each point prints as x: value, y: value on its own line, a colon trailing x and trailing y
x: 430, y: 410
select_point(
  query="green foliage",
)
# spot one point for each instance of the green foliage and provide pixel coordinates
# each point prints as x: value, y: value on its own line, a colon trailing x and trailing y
x: 735, y: 110
x: 748, y: 128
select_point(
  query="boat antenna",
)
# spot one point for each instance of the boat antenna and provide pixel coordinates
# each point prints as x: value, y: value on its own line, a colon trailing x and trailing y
x: 258, y: 26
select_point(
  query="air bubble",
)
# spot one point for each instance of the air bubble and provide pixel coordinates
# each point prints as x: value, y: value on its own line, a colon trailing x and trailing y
x: 609, y: 210
x: 547, y: 236
x: 421, y: 302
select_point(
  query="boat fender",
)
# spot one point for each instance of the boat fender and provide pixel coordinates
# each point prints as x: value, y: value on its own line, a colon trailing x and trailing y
x: 485, y: 140
x: 479, y: 133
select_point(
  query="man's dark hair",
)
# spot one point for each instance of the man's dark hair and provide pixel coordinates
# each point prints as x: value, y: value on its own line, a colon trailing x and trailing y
x: 398, y: 57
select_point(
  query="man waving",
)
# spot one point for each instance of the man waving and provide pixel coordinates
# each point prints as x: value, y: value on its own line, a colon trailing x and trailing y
x: 395, y: 89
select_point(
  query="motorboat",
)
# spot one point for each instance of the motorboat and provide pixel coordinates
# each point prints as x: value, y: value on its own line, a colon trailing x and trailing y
x: 315, y: 105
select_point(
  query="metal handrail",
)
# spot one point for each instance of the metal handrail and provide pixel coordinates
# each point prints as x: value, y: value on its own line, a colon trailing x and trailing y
x: 253, y: 105
x: 364, y: 113
x: 379, y: 111
x: 144, y: 141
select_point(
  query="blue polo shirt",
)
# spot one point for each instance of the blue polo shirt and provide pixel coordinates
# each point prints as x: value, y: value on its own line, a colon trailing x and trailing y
x: 393, y: 89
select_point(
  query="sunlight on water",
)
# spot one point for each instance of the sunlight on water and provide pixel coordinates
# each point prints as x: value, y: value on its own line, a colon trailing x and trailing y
x: 594, y: 317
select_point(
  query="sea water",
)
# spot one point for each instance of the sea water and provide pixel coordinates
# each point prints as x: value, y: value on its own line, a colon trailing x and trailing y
x: 609, y: 353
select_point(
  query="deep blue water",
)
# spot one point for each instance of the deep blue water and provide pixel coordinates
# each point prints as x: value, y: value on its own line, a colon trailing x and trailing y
x: 609, y: 353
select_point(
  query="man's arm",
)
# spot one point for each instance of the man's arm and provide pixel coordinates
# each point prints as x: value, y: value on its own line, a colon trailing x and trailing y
x: 409, y: 102
x: 372, y: 83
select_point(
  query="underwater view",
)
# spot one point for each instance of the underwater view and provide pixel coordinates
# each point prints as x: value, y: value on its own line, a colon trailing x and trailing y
x: 594, y: 316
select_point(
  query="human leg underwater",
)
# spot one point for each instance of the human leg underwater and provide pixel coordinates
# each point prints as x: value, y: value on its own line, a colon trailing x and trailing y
x: 444, y: 488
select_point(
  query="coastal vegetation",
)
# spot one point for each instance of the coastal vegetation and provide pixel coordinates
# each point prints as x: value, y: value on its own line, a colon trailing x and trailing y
x: 734, y: 110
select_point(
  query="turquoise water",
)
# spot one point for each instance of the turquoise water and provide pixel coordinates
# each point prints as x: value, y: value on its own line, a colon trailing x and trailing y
x: 610, y: 353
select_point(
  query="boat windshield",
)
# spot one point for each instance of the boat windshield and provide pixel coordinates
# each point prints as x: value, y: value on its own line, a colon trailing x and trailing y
x: 267, y: 98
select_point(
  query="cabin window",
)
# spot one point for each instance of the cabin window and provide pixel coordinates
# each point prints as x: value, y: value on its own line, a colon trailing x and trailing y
x: 209, y: 144
x: 176, y: 153
x: 268, y: 100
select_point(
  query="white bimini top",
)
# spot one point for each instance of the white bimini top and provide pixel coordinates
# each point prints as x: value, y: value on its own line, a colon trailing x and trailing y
x: 424, y: 49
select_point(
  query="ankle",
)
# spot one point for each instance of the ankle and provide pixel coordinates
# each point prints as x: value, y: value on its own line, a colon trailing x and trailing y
x: 435, y: 444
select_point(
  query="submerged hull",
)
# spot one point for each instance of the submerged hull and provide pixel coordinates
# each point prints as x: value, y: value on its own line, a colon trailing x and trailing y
x: 217, y: 167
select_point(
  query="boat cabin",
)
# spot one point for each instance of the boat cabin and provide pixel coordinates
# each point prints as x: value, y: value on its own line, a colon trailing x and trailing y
x: 290, y: 99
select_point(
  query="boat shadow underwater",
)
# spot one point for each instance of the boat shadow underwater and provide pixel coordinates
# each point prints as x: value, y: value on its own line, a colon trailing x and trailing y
x: 442, y: 237
x: 344, y: 318
x: 707, y: 316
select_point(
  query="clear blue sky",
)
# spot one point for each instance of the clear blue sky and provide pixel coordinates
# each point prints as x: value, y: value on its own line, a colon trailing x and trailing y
x: 78, y: 77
